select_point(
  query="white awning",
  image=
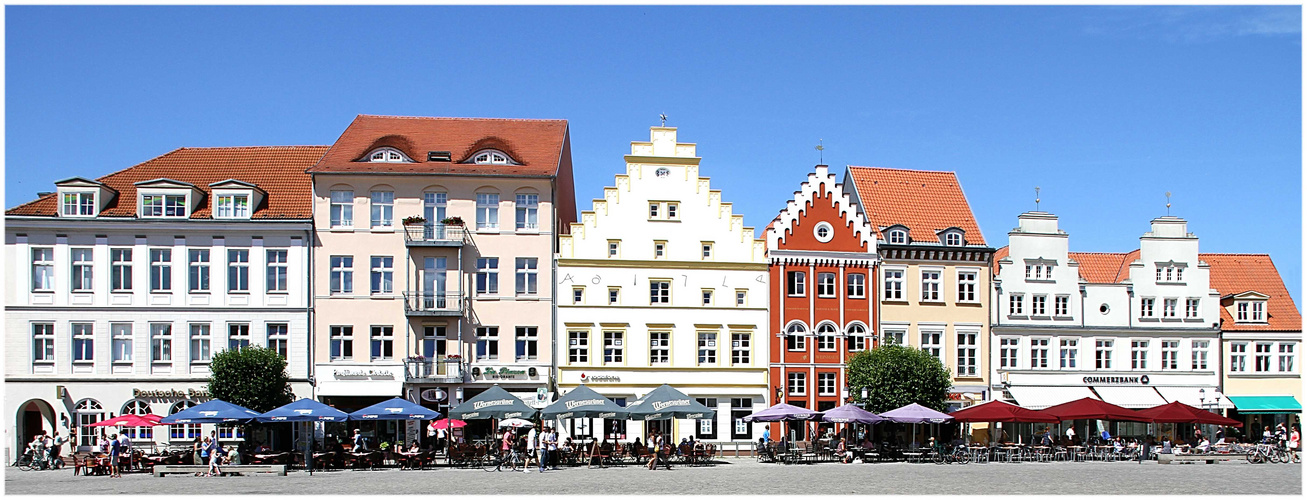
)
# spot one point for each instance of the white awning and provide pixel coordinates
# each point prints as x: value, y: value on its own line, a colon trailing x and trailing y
x: 1130, y: 397
x: 1038, y: 398
x: 1189, y: 396
x: 392, y: 388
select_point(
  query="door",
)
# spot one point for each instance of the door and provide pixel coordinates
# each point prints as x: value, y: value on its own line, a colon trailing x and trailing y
x: 433, y: 210
x: 433, y: 283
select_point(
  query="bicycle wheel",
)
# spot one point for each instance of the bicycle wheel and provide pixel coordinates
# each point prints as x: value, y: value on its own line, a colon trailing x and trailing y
x: 1255, y: 457
x: 1273, y: 456
x: 488, y: 463
x: 962, y: 458
x: 938, y: 458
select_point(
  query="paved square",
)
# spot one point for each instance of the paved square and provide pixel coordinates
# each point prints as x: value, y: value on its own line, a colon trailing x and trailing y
x: 742, y: 476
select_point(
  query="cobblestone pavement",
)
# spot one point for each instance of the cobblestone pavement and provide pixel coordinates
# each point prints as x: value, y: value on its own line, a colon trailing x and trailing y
x: 728, y: 477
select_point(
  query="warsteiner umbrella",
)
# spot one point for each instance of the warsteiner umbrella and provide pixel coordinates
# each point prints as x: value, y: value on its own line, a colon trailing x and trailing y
x: 495, y: 402
x: 667, y: 402
x: 583, y: 402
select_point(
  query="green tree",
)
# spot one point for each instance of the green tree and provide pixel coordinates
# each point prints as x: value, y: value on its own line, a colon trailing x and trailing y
x: 253, y: 377
x: 896, y: 376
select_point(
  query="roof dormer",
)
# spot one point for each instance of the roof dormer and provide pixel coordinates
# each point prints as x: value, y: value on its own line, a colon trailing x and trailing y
x: 387, y: 154
x: 896, y: 234
x: 78, y: 197
x: 492, y: 157
x: 166, y: 199
x: 952, y: 236
x: 1249, y: 307
x: 233, y: 199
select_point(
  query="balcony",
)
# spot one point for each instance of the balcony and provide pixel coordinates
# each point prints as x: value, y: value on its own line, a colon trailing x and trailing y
x: 435, y: 235
x: 433, y: 304
x: 439, y: 370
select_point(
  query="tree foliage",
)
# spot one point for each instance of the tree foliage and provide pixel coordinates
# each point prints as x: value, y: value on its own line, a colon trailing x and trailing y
x: 896, y: 376
x: 253, y: 377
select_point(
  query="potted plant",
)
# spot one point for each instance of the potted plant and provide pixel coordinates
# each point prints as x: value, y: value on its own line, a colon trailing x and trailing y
x: 452, y: 221
x: 415, y: 220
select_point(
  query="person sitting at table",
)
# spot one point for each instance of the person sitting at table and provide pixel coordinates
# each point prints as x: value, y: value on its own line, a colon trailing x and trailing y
x: 262, y: 449
x: 1203, y: 446
x: 842, y: 450
x: 866, y: 443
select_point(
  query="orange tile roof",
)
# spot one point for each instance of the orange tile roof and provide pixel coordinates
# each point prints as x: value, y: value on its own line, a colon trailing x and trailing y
x: 537, y: 145
x: 1104, y: 267
x: 925, y: 201
x: 1233, y: 273
x: 277, y: 170
x: 999, y: 254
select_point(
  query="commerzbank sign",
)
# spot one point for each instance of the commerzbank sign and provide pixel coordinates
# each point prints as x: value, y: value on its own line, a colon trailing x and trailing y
x: 1140, y: 380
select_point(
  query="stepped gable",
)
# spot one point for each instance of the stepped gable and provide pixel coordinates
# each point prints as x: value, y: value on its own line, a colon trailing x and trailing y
x: 820, y: 197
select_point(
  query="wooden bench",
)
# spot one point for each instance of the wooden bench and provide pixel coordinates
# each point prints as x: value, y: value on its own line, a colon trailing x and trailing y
x: 1211, y: 458
x: 160, y: 470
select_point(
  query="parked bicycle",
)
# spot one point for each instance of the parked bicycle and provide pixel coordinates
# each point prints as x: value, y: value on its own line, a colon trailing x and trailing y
x: 958, y: 455
x: 29, y: 461
x: 498, y: 461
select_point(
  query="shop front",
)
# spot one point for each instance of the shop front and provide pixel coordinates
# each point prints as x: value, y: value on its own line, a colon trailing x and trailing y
x: 1260, y: 412
x: 350, y: 387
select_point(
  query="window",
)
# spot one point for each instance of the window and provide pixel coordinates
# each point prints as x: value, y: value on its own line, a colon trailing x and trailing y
x: 83, y: 342
x: 660, y: 347
x: 654, y: 210
x: 137, y: 407
x: 953, y: 239
x: 386, y: 155
x: 528, y: 208
x: 277, y: 270
x: 1199, y: 355
x: 740, y: 408
x: 857, y: 285
x: 826, y: 384
x: 893, y: 284
x: 43, y: 269
x: 79, y: 204
x: 707, y: 296
x: 966, y: 286
x: 1168, y: 307
x: 1258, y: 311
x: 1286, y: 357
x: 160, y: 270
x: 527, y: 342
x: 933, y: 343
x: 187, y: 431
x: 1170, y: 272
x: 433, y: 341
x: 1138, y: 354
x: 1039, y: 271
x: 1146, y: 307
x: 578, y: 347
x: 895, y: 337
x: 158, y: 205
x: 1170, y: 354
x: 707, y: 348
x: 930, y: 281
x: 487, y: 275
x: 1238, y: 357
x: 526, y: 275
x: 238, y: 336
x: 1038, y: 305
x: 1070, y: 351
x: 383, y: 208
x: 232, y: 206
x: 383, y: 272
x: 1103, y: 354
x: 1241, y: 309
x: 797, y: 383
x: 43, y: 343
x: 614, y: 246
x: 1061, y: 305
x: 200, y: 342
x: 383, y: 342
x: 1016, y: 304
x: 672, y: 211
x: 342, y: 342
x: 120, y: 269
x: 238, y: 270
x: 88, y: 412
x: 83, y: 269
x: 342, y: 274
x: 487, y: 211
x: 796, y: 337
x: 660, y: 249
x: 823, y: 231
x: 967, y: 347
x: 578, y: 294
x: 342, y: 209
x: 613, y: 347
x: 160, y: 342
x: 660, y: 292
x: 1262, y: 357
x: 1007, y: 354
x: 796, y: 284
x: 739, y: 348
x: 487, y: 343
x: 614, y: 295
x: 490, y: 158
x: 826, y: 285
x: 1191, y: 308
x: 856, y: 338
x: 199, y: 271
x: 741, y: 298
x: 279, y: 338
x: 1039, y: 353
x: 706, y: 250
x: 707, y: 427
x: 898, y: 237
x: 826, y: 337
x: 121, y: 342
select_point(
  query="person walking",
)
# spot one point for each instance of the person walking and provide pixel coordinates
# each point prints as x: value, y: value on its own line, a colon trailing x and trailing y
x: 360, y: 442
x: 56, y: 449
x: 542, y: 447
x: 215, y: 458
x: 655, y: 442
x: 552, y: 442
x: 115, y: 447
x: 532, y: 440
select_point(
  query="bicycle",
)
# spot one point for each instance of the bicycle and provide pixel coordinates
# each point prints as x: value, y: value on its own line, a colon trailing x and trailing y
x: 30, y: 462
x: 1261, y: 454
x: 959, y: 455
x: 498, y: 461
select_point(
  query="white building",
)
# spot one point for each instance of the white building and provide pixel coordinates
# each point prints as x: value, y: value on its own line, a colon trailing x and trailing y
x: 661, y: 283
x: 120, y: 289
x: 1135, y: 329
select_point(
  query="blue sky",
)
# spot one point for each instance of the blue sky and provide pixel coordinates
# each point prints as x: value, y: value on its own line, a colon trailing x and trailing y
x: 1105, y: 108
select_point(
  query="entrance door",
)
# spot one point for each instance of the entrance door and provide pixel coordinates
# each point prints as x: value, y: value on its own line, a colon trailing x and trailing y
x: 31, y: 424
x: 433, y: 283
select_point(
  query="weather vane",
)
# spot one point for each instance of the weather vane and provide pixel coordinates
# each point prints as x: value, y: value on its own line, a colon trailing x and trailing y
x: 821, y: 156
x: 1168, y: 203
x: 1036, y: 198
x: 663, y: 117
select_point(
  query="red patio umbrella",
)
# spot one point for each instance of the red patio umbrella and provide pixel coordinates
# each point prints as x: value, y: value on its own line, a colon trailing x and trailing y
x: 129, y: 420
x: 1093, y: 409
x: 998, y: 411
x: 1176, y: 412
x: 446, y: 423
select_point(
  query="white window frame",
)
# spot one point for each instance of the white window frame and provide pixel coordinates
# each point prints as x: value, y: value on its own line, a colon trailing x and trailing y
x: 614, y: 347
x: 122, y: 342
x: 855, y: 285
x: 341, y: 339
x: 201, y: 342
x: 660, y: 347
x: 120, y: 269
x: 968, y: 347
x: 527, y: 275
x: 1039, y: 348
x: 160, y: 342
x: 1198, y: 358
x: 238, y: 270
x: 827, y: 337
x: 1146, y: 307
x: 83, y: 265
x: 826, y: 382
x: 78, y: 204
x: 1170, y: 354
x: 1138, y: 354
x: 1068, y: 353
x: 487, y: 340
x: 382, y: 280
x: 826, y: 285
x: 1008, y: 353
x: 897, y: 237
x: 894, y: 281
x: 1192, y: 307
x: 707, y: 348
x: 527, y: 207
x: 932, y: 341
x: 741, y: 348
x: 1103, y: 353
x: 1016, y: 304
x: 278, y: 275
x: 968, y: 282
x: 160, y: 270
x: 796, y: 337
x: 1062, y: 306
x: 578, y: 346
x: 1285, y: 358
x: 197, y: 275
x: 279, y: 338
x: 43, y: 343
x: 42, y: 269
x: 487, y: 276
x: 341, y: 281
x: 1262, y: 357
x: 382, y: 208
x: 1238, y: 357
x: 83, y: 345
x: 932, y: 284
x: 660, y: 291
x: 381, y: 342
x: 487, y: 211
x: 1039, y: 304
x: 342, y: 208
x: 165, y: 206
x: 796, y: 283
x: 796, y: 383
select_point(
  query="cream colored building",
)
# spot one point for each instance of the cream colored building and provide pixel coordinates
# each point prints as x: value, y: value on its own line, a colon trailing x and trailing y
x: 661, y: 283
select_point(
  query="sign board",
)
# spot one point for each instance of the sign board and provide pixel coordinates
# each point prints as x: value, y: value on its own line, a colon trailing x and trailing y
x: 433, y: 395
x: 541, y: 393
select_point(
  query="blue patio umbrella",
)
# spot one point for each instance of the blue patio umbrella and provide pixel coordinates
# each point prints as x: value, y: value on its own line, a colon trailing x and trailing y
x: 395, y: 409
x: 211, y: 412
x: 304, y: 410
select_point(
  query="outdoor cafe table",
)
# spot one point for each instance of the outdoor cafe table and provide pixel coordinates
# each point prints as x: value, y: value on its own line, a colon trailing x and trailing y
x: 270, y: 458
x: 408, y: 458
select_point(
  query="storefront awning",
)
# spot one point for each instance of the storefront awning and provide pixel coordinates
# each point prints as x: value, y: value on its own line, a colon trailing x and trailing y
x: 388, y: 388
x: 1190, y: 396
x: 1261, y: 405
x: 1038, y: 398
x: 1130, y: 397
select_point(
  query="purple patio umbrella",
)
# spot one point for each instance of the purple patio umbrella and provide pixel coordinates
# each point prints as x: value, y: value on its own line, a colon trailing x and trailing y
x: 850, y: 414
x: 782, y: 412
x: 915, y: 414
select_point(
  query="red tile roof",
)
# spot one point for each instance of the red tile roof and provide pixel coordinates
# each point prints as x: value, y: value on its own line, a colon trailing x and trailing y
x: 537, y: 145
x: 1104, y: 267
x: 1234, y: 273
x: 277, y: 170
x: 925, y: 201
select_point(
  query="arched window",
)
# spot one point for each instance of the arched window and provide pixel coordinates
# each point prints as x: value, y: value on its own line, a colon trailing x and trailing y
x: 795, y: 336
x: 898, y: 237
x: 490, y: 157
x: 137, y: 407
x: 856, y: 337
x: 183, y: 431
x: 826, y: 337
x: 88, y: 411
x: 386, y: 155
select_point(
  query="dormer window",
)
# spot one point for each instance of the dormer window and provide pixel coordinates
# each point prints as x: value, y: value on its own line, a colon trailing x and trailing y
x: 163, y: 205
x: 78, y: 204
x: 232, y: 206
x: 490, y: 157
x: 953, y: 239
x: 952, y: 236
x: 1250, y: 311
x: 898, y: 237
x: 386, y: 155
